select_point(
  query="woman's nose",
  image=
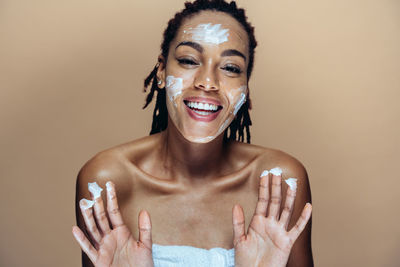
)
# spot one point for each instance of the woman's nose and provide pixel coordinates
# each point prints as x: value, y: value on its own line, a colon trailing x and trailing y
x: 207, y: 80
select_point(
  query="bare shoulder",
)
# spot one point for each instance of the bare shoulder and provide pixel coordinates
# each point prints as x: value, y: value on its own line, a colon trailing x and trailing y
x: 301, y: 254
x: 115, y: 164
x: 270, y: 158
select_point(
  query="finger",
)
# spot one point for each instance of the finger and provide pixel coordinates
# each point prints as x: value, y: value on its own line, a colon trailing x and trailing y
x: 263, y: 195
x: 84, y: 243
x: 301, y: 222
x: 112, y: 206
x: 238, y: 224
x: 91, y: 227
x: 289, y: 203
x: 99, y: 213
x: 275, y: 201
x: 145, y: 229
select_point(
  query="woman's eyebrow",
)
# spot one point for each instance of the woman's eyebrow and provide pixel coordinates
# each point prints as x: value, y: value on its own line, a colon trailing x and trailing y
x: 233, y: 52
x: 194, y: 45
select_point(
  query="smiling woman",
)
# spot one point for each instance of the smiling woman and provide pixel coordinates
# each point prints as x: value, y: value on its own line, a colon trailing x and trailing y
x: 190, y: 174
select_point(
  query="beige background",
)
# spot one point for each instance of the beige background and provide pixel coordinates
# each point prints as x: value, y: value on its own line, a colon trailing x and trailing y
x: 325, y: 89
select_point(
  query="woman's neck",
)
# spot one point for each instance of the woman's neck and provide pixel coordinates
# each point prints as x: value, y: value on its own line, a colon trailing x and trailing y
x: 195, y: 161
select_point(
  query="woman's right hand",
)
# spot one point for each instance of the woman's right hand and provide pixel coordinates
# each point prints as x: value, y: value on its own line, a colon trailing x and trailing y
x: 115, y: 245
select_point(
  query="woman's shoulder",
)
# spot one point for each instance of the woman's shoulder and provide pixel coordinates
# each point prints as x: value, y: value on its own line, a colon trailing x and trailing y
x: 115, y: 164
x: 266, y: 158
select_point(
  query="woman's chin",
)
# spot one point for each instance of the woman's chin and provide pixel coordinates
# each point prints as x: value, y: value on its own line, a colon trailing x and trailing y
x: 200, y: 138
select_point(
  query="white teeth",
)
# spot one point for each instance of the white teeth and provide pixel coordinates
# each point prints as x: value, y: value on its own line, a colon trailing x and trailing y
x: 202, y: 112
x: 203, y: 106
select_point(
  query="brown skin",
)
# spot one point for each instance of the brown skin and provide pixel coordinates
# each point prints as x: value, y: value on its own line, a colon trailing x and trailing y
x: 189, y: 189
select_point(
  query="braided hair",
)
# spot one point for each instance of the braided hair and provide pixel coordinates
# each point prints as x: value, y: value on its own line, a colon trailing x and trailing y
x: 241, y: 123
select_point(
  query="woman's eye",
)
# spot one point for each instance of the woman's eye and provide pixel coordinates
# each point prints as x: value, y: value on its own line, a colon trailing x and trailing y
x: 232, y: 68
x: 186, y: 61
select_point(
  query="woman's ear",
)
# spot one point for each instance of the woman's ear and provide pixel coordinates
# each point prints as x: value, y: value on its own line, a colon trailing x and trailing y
x: 161, y: 72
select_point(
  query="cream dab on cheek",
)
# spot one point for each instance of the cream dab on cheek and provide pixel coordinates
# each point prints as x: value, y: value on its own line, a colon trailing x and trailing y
x: 238, y: 105
x: 174, y: 87
x: 209, y: 33
x: 95, y: 189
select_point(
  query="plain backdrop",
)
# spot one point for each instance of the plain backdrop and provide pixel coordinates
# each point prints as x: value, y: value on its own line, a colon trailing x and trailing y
x: 325, y: 89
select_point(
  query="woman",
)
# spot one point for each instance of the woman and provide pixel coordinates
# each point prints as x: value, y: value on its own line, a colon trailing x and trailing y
x: 190, y: 174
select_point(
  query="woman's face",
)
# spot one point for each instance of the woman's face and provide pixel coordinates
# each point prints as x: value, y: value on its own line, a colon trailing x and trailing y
x: 206, y: 75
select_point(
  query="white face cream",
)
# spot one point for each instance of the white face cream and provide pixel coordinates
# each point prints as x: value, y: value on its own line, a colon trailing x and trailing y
x: 239, y: 104
x: 276, y: 171
x: 292, y: 183
x: 86, y: 204
x: 95, y: 189
x: 174, y: 87
x: 208, y: 33
x: 264, y: 173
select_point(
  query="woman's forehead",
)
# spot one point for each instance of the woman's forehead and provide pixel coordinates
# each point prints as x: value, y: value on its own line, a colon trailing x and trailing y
x: 213, y: 27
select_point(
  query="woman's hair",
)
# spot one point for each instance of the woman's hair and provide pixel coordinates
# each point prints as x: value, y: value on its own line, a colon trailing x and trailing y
x: 160, y: 115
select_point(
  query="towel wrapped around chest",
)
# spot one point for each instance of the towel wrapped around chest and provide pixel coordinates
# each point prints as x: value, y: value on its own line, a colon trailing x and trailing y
x: 187, y: 256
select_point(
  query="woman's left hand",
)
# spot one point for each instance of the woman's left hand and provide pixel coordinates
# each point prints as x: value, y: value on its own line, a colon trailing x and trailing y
x: 267, y: 242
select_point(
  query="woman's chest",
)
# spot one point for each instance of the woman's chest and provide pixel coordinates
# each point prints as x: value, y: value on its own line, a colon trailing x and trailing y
x: 192, y: 219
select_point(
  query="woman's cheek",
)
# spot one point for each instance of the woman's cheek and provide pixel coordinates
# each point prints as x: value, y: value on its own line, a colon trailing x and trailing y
x: 237, y: 98
x: 174, y: 87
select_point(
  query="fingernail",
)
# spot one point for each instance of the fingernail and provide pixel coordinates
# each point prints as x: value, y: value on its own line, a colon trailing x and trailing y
x: 292, y: 183
x: 276, y: 171
x: 264, y: 173
x: 95, y: 189
x: 85, y: 203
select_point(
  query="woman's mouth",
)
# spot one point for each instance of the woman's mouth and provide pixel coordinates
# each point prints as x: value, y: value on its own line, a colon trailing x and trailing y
x: 203, y: 111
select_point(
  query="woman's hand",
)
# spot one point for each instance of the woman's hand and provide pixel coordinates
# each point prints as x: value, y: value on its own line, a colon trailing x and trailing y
x: 115, y: 245
x: 267, y: 242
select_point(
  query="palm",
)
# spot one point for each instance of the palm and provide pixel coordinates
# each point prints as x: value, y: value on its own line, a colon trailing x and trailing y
x: 119, y: 247
x: 272, y: 232
x: 114, y: 246
x: 267, y: 242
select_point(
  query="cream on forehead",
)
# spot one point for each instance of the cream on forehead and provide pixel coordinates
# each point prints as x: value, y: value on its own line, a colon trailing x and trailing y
x: 209, y: 33
x: 174, y: 87
x: 292, y: 183
x: 95, y: 189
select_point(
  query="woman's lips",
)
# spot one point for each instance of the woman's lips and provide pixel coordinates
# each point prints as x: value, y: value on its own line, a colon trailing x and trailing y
x: 202, y: 109
x: 210, y: 116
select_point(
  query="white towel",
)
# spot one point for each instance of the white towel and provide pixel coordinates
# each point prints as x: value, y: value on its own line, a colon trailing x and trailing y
x: 187, y: 256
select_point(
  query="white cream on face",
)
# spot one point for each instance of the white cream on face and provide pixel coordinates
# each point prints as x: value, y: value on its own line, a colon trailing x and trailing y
x: 174, y: 88
x: 95, y: 189
x: 239, y: 104
x: 276, y: 171
x: 292, y: 183
x: 209, y: 33
x: 86, y: 204
x: 264, y: 173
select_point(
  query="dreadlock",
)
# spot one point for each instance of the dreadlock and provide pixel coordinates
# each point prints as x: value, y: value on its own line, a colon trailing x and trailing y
x: 242, y: 120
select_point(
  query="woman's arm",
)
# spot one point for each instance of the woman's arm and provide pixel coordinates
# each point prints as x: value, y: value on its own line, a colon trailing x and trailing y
x: 301, y: 255
x: 277, y: 230
x: 102, y: 234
